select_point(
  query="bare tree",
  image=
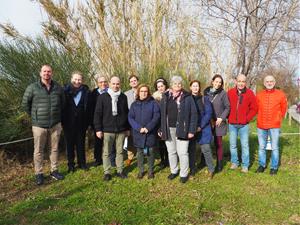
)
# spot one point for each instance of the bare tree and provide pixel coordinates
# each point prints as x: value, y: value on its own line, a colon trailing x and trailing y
x: 256, y: 32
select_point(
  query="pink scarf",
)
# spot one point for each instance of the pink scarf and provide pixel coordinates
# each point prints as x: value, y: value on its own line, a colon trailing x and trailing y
x: 176, y: 95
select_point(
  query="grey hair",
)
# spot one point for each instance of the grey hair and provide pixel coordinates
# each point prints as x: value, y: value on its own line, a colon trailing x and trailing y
x: 177, y: 79
x: 98, y: 76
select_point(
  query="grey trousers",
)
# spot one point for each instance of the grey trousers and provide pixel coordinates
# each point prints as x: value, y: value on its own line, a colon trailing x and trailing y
x: 108, y: 140
x: 178, y: 148
x: 150, y: 159
x: 206, y: 150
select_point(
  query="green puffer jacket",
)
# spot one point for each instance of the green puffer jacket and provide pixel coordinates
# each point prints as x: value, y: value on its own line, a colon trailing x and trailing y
x: 44, y: 107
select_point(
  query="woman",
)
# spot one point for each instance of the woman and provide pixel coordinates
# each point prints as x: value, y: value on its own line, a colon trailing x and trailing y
x: 178, y: 126
x: 161, y: 86
x: 204, y: 136
x: 76, y: 118
x: 221, y: 106
x: 144, y: 115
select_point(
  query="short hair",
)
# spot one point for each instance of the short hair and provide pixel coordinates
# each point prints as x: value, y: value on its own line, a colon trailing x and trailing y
x: 218, y: 76
x: 198, y: 82
x: 138, y: 91
x: 240, y: 74
x: 176, y: 78
x: 98, y: 76
x: 162, y: 80
x: 47, y: 65
x: 133, y: 76
x: 76, y: 72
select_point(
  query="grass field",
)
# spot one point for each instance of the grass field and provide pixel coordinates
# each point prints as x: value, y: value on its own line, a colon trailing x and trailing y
x: 230, y: 198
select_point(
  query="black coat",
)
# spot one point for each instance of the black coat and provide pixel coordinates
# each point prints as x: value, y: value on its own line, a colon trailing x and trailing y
x: 186, y: 117
x: 103, y: 118
x: 77, y: 117
x: 94, y: 96
x: 144, y: 114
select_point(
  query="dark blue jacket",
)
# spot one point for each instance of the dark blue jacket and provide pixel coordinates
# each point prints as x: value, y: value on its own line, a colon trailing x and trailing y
x: 186, y: 118
x: 144, y: 114
x: 205, y: 115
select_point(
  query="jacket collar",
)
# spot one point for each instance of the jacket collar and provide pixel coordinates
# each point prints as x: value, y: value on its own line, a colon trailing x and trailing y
x: 238, y: 91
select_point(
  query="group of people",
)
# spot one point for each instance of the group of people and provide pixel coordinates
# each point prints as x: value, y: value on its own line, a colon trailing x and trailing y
x: 172, y: 120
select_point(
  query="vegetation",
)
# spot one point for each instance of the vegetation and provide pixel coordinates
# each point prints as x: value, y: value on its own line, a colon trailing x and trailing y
x: 230, y: 198
x: 20, y: 64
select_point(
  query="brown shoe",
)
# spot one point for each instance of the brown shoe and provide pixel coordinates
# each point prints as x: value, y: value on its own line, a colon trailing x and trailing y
x: 128, y: 162
x: 210, y: 175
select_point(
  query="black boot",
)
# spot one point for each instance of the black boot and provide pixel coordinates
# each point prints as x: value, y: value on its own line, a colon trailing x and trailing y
x: 220, y: 166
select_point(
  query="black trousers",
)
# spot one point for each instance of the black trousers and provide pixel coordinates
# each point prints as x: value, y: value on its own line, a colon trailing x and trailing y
x: 75, y: 140
x: 164, y: 159
x: 98, y: 148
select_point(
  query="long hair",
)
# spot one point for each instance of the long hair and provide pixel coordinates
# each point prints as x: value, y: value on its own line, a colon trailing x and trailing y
x: 218, y: 76
x: 162, y: 80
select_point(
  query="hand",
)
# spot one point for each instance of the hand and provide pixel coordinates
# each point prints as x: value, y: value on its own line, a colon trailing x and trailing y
x: 99, y: 134
x: 190, y: 135
x: 159, y: 134
x: 142, y: 130
x: 145, y: 130
x: 198, y: 129
x: 218, y: 122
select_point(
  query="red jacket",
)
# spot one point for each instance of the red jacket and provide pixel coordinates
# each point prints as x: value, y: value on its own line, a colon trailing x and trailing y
x: 272, y: 106
x: 243, y: 107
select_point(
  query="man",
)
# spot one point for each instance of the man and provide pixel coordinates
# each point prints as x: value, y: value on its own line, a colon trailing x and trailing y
x: 131, y: 96
x: 101, y: 89
x: 243, y: 109
x: 272, y: 106
x: 43, y: 101
x: 111, y: 124
x: 76, y: 119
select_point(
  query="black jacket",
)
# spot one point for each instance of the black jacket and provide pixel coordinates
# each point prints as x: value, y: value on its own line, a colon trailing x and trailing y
x: 80, y: 116
x: 103, y: 118
x: 186, y: 118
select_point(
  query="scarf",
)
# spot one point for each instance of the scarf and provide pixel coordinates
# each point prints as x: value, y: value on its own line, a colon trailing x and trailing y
x: 114, y: 100
x: 73, y: 91
x: 176, y: 95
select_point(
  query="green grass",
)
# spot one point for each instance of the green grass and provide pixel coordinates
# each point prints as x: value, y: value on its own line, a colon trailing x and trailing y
x: 230, y: 198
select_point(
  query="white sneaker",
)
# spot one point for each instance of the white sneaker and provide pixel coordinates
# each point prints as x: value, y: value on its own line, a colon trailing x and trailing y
x: 244, y: 170
x: 233, y: 166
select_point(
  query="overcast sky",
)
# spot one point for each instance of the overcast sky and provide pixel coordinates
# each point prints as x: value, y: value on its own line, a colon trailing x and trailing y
x: 25, y: 15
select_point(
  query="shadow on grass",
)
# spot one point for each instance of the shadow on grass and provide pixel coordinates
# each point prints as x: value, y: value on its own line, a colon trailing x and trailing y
x: 33, y: 207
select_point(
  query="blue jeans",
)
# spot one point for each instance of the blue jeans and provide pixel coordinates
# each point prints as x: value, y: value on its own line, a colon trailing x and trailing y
x: 262, y: 141
x: 243, y: 132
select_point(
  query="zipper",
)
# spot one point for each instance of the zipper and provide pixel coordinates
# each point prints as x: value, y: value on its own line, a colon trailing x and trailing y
x: 237, y: 108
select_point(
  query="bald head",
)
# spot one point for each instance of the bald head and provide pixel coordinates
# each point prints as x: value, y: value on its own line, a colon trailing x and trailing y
x: 114, y: 83
x: 241, y: 81
x: 269, y: 82
x: 46, y: 74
